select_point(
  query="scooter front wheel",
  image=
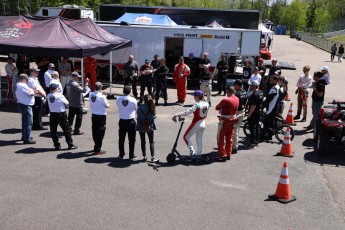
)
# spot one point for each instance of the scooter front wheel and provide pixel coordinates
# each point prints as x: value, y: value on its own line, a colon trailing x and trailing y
x: 171, y: 157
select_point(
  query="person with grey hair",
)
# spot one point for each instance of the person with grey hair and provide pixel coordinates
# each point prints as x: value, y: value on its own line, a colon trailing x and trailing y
x: 25, y: 99
x: 56, y: 80
x: 75, y: 99
x: 127, y: 107
x: 98, y: 107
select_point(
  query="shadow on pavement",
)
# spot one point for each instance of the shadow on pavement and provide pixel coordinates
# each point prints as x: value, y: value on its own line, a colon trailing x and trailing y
x: 11, y: 142
x: 70, y: 155
x: 9, y: 108
x: 112, y: 162
x: 32, y: 150
x: 10, y: 131
x: 308, y: 142
x: 335, y: 158
x: 48, y: 134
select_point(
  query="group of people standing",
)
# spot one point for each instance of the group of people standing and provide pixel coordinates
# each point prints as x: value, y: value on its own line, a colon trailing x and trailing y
x: 340, y: 52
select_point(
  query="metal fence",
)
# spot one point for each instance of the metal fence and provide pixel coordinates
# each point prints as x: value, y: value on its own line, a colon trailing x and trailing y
x: 317, y: 41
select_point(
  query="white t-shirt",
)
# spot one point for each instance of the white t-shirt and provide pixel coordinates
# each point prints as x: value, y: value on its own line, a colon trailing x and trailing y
x: 98, y: 103
x: 127, y: 106
x: 47, y: 77
x: 11, y: 70
x: 327, y: 78
x: 57, y: 102
x: 255, y: 77
x: 33, y: 83
x: 55, y: 81
x: 23, y: 94
x: 305, y: 82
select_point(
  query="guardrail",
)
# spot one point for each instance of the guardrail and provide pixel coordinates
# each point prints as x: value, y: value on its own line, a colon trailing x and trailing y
x: 318, y: 42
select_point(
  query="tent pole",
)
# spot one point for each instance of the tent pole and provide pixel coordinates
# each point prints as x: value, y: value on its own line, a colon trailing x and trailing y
x: 111, y: 71
x: 82, y: 72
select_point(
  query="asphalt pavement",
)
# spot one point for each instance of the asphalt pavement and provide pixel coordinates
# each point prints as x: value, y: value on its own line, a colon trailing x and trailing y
x: 41, y: 188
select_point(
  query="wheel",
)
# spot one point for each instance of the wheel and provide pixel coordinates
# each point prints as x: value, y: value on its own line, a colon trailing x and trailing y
x: 246, y: 129
x: 281, y: 130
x: 323, y: 143
x: 115, y: 71
x: 171, y: 157
x: 206, y: 158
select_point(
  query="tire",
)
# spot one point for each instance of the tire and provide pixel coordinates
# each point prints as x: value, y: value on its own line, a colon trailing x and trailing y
x: 323, y: 143
x: 281, y: 130
x: 246, y: 130
x: 171, y: 157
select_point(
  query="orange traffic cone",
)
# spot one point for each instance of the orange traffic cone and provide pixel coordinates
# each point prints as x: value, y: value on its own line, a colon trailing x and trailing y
x: 287, y: 98
x: 289, y: 118
x: 283, y: 194
x: 286, y: 150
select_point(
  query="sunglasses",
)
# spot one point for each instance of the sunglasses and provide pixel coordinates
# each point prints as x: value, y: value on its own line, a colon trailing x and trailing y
x: 305, y: 69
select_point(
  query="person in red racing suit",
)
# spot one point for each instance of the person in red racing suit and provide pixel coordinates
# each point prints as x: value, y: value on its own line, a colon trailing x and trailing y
x: 226, y: 127
x: 181, y: 72
x: 90, y: 66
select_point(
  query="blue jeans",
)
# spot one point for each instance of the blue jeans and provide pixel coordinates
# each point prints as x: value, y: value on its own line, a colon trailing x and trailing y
x: 316, y: 107
x: 26, y: 112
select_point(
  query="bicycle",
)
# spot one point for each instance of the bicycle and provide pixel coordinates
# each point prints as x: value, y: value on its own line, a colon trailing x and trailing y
x: 279, y: 128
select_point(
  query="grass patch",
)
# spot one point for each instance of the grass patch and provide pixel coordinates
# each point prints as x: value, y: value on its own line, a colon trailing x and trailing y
x: 340, y: 39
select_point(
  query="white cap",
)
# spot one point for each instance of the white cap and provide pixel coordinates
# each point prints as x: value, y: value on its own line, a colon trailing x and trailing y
x: 254, y: 82
x: 325, y: 68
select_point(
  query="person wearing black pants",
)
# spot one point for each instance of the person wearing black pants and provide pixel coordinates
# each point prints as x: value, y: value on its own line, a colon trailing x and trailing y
x: 131, y: 74
x: 254, y: 102
x: 127, y: 107
x: 222, y: 68
x: 98, y: 106
x: 34, y: 84
x: 75, y: 99
x: 147, y: 112
x: 161, y: 75
x: 57, y: 103
x: 146, y: 79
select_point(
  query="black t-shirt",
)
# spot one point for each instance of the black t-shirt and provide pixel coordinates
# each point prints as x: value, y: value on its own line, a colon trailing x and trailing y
x: 320, y: 87
x: 273, y: 69
x: 205, y: 76
x: 161, y: 73
x: 256, y: 98
x: 242, y: 96
x: 155, y: 64
x: 204, y: 62
x: 247, y: 73
x: 263, y: 68
x: 222, y: 66
x: 145, y: 77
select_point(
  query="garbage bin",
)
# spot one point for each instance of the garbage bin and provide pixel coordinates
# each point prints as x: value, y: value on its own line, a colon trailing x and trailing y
x: 278, y: 30
x: 283, y: 30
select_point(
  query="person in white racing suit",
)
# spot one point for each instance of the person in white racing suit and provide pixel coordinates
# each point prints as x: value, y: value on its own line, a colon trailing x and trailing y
x: 197, y: 127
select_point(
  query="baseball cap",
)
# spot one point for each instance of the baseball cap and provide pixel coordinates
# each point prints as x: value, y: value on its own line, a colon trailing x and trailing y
x: 238, y: 82
x: 53, y: 86
x: 156, y: 56
x: 127, y: 89
x: 75, y: 74
x: 98, y: 86
x: 147, y: 61
x: 274, y: 60
x: 23, y: 76
x: 34, y: 69
x: 255, y: 83
x: 191, y: 54
x: 198, y: 93
x: 51, y: 65
x: 261, y: 59
x: 325, y: 68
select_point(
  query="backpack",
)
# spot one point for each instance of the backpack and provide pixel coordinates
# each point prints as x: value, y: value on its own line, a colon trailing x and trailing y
x: 145, y: 123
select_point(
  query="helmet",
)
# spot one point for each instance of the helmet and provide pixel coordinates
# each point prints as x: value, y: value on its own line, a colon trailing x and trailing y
x: 198, y: 93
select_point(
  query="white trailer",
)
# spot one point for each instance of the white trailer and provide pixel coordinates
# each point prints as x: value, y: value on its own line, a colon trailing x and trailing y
x: 67, y: 11
x: 171, y: 42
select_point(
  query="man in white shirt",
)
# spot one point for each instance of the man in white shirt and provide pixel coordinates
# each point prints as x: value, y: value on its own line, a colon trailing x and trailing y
x: 256, y: 76
x: 57, y: 106
x: 303, y: 84
x: 98, y: 107
x: 127, y: 107
x: 48, y: 77
x: 11, y: 74
x: 55, y: 79
x: 25, y: 99
x: 39, y: 95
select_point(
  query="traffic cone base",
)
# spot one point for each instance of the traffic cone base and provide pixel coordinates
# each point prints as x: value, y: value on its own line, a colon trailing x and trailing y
x: 284, y: 201
x: 283, y: 194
